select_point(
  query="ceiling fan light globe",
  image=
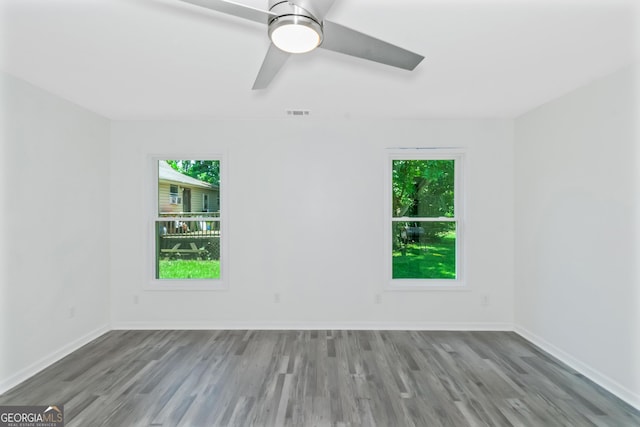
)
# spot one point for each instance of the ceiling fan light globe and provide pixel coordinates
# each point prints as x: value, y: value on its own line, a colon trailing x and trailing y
x: 295, y: 38
x: 295, y: 33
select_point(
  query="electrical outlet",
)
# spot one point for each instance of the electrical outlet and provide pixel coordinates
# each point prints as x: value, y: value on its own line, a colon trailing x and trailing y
x: 484, y: 300
x: 377, y: 299
x: 276, y: 297
x: 136, y: 300
x: 72, y: 312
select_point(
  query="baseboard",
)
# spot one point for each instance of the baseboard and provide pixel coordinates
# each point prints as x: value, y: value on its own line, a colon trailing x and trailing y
x: 594, y: 375
x: 34, y: 368
x: 355, y: 326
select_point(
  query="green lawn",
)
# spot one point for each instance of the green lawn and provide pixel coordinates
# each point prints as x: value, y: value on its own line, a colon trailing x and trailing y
x: 433, y: 260
x: 189, y: 269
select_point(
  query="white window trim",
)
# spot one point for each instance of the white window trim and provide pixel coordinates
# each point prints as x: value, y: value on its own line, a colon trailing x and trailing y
x: 459, y: 283
x: 153, y: 284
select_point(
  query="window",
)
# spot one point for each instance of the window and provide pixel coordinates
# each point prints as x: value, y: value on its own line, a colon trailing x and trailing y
x: 424, y: 219
x: 187, y: 222
x: 174, y: 198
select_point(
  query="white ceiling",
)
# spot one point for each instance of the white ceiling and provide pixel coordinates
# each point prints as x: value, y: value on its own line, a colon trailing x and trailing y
x: 165, y: 59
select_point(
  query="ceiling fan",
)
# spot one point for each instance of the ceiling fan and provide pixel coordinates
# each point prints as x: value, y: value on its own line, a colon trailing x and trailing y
x: 298, y: 26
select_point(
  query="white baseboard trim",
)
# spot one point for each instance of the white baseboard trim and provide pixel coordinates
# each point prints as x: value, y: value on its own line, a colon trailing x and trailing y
x: 24, y: 374
x: 271, y: 325
x: 594, y: 375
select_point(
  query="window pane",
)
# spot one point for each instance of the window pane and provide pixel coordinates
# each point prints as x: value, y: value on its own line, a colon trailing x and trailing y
x: 187, y: 249
x: 188, y: 187
x: 424, y: 250
x: 423, y: 188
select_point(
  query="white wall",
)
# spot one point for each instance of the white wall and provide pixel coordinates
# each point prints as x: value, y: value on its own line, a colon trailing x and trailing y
x: 306, y: 221
x: 577, y: 224
x: 54, y: 211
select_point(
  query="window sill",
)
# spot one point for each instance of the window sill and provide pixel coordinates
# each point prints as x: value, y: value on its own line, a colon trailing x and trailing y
x: 186, y: 285
x: 425, y: 285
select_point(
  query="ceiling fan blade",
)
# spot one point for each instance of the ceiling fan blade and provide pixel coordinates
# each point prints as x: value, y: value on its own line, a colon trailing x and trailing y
x: 318, y: 8
x: 351, y: 42
x: 273, y: 61
x: 235, y: 9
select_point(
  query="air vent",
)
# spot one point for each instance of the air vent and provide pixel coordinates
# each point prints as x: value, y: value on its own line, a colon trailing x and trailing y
x: 298, y: 113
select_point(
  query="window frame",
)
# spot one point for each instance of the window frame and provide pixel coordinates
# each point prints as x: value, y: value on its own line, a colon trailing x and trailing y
x: 459, y: 158
x: 217, y: 284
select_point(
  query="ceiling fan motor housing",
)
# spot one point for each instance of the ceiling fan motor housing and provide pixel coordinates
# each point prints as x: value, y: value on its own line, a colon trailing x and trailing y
x: 291, y: 14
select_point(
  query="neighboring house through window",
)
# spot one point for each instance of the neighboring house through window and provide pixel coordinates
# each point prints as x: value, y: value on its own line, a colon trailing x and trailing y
x: 188, y: 223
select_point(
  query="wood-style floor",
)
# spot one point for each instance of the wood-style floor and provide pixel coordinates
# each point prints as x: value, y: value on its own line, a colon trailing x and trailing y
x: 318, y: 378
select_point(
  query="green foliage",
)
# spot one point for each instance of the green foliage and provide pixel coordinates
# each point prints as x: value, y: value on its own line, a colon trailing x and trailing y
x: 423, y: 188
x: 189, y: 269
x: 204, y: 170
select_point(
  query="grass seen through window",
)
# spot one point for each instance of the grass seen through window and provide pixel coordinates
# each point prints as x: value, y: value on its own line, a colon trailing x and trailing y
x: 189, y: 269
x: 429, y: 260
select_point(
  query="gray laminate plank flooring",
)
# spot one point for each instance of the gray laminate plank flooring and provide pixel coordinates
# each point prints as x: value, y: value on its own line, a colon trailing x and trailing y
x: 319, y: 378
